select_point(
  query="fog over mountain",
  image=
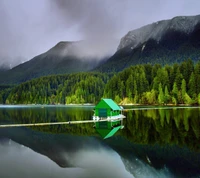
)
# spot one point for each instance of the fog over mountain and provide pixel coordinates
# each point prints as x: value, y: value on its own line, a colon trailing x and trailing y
x: 29, y: 28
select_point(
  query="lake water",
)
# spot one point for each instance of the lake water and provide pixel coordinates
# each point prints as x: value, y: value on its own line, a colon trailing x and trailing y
x: 155, y: 142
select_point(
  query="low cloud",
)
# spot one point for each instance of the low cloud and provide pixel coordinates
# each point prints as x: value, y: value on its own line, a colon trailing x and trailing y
x: 29, y: 28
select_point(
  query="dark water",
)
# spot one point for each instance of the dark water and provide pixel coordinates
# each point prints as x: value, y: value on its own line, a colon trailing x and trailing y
x: 155, y: 142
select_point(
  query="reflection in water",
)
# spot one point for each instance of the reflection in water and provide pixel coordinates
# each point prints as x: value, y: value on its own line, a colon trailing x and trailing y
x: 154, y: 143
x: 34, y: 114
x: 164, y: 126
x: 39, y: 114
x: 20, y: 161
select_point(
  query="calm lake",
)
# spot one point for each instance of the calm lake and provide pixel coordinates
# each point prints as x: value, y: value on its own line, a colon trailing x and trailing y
x: 155, y: 142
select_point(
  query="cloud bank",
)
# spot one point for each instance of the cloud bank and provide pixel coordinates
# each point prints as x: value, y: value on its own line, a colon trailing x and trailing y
x: 29, y: 28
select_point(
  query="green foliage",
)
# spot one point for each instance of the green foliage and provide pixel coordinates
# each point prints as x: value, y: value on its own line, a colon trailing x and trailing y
x: 199, y: 98
x: 192, y: 86
x: 59, y: 89
x: 166, y: 95
x: 139, y: 84
x: 160, y: 95
x: 187, y: 99
x: 147, y: 84
x: 175, y: 93
x: 4, y: 92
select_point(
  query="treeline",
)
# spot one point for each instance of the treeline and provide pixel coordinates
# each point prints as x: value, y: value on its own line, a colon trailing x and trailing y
x: 147, y: 84
x: 139, y: 84
x: 58, y: 89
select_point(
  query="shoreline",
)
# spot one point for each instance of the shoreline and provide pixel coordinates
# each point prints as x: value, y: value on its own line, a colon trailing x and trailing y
x: 91, y: 105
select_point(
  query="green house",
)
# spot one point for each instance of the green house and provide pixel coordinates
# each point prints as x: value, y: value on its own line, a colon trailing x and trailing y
x: 108, y: 118
x: 107, y: 108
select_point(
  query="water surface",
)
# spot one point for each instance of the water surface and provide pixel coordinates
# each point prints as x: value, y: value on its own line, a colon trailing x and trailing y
x: 155, y: 142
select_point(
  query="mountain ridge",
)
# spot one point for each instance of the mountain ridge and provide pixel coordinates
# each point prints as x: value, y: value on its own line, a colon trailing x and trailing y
x: 60, y: 59
x: 163, y: 42
x: 155, y: 30
x: 152, y: 45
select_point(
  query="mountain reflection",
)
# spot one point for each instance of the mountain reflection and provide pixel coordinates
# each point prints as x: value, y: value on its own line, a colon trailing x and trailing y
x: 20, y: 161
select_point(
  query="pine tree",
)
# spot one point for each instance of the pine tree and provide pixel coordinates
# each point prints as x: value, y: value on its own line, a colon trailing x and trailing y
x: 166, y: 95
x: 199, y: 98
x: 135, y: 92
x: 192, y: 86
x: 197, y: 77
x: 175, y: 94
x: 160, y: 95
x: 178, y: 78
x: 162, y: 77
x: 183, y: 91
x: 186, y: 68
x: 129, y: 87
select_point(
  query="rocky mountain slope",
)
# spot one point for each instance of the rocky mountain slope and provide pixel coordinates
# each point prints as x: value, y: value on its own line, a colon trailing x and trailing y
x: 164, y: 42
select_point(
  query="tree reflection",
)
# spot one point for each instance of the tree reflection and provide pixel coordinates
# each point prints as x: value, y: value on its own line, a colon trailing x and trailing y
x: 147, y: 126
x: 51, y: 114
x: 164, y: 126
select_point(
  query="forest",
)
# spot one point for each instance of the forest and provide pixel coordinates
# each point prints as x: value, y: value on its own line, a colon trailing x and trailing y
x: 139, y: 84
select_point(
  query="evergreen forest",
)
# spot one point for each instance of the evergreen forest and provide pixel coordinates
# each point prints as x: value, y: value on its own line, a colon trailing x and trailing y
x: 138, y: 84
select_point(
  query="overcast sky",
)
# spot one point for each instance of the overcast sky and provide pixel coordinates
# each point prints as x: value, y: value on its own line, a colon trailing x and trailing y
x: 31, y: 27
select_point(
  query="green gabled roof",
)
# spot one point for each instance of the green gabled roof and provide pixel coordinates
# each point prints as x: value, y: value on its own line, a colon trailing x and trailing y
x: 106, y: 133
x: 111, y: 104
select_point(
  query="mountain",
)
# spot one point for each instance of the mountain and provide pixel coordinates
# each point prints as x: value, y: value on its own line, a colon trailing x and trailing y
x: 164, y: 42
x: 64, y: 57
x: 3, y: 67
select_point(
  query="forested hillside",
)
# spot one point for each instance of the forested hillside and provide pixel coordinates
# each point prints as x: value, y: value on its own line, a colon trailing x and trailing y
x: 147, y: 84
x: 140, y: 84
x: 58, y: 89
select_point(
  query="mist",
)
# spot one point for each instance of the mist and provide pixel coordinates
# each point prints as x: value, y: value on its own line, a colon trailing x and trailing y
x: 29, y: 28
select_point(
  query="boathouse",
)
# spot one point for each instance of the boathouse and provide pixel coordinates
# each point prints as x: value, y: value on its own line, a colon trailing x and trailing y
x: 107, y: 108
x: 108, y: 117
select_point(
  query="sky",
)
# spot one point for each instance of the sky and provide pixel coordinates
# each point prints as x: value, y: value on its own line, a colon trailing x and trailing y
x: 31, y: 27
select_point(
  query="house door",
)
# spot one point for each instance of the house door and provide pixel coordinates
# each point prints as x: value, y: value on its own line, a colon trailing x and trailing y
x: 102, y: 112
